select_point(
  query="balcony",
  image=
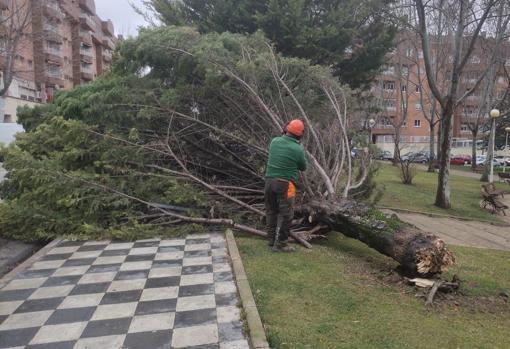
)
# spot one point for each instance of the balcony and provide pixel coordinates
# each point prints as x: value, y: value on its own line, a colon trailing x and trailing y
x: 53, y: 36
x: 52, y: 10
x: 88, y: 5
x: 87, y: 58
x: 108, y: 43
x: 54, y: 77
x: 4, y: 5
x: 86, y: 38
x: 50, y: 27
x: 87, y: 76
x: 86, y: 22
x: 53, y: 55
x: 107, y: 27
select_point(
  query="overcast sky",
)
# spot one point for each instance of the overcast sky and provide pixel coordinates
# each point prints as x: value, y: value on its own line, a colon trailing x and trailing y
x: 125, y: 19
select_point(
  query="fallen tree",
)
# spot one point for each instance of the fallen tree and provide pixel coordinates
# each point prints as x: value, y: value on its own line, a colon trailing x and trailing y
x: 186, y: 118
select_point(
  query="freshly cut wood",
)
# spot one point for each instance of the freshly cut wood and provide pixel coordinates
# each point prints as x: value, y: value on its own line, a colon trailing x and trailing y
x: 416, y: 251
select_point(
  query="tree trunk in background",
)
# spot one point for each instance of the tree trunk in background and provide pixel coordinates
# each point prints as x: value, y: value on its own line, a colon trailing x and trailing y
x: 431, y: 144
x: 443, y: 186
x: 474, y: 134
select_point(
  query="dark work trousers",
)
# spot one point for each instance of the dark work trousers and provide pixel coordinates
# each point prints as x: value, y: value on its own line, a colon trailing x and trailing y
x: 279, y: 207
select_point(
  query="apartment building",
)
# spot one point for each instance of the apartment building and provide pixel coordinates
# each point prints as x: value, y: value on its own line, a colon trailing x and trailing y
x: 65, y: 45
x: 402, y: 94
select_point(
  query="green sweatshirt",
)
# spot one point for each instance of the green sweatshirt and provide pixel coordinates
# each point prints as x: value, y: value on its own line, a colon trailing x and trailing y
x: 286, y: 158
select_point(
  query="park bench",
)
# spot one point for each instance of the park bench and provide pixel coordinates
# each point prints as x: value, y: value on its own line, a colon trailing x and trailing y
x: 491, y: 190
x: 504, y: 177
x: 491, y: 202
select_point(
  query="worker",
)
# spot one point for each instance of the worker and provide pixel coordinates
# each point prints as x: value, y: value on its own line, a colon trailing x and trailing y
x: 286, y: 159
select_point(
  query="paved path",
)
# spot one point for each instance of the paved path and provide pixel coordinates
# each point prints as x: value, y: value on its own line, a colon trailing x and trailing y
x: 463, y: 233
x: 149, y: 294
x: 14, y: 252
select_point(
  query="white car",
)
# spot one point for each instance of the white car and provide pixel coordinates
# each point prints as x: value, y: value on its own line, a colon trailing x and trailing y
x: 480, y: 159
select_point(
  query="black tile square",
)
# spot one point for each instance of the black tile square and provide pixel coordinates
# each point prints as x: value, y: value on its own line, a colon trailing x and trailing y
x: 17, y: 338
x: 226, y: 299
x: 58, y: 345
x: 200, y: 253
x: 106, y: 327
x: 62, y: 280
x: 16, y: 295
x: 230, y: 331
x: 195, y: 318
x: 2, y: 318
x: 146, y: 244
x: 56, y: 257
x: 111, y: 253
x: 121, y: 297
x: 63, y: 316
x: 197, y: 269
x: 171, y: 249
x: 197, y: 241
x: 219, y: 259
x: 163, y: 282
x: 140, y: 257
x: 156, y: 307
x: 204, y: 346
x: 196, y: 290
x: 68, y: 243
x: 223, y: 276
x: 34, y: 305
x: 100, y: 287
x: 132, y: 275
x: 78, y: 262
x: 92, y: 248
x: 167, y: 263
x: 32, y: 274
x: 104, y: 268
x: 144, y: 340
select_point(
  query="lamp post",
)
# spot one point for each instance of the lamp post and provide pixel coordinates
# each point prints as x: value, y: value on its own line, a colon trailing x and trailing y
x: 371, y: 124
x: 507, y: 130
x: 494, y: 115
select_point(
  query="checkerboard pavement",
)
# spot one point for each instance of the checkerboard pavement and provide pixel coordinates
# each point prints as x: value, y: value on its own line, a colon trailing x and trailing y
x: 148, y: 294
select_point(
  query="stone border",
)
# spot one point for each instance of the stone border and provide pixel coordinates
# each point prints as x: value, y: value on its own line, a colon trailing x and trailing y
x: 10, y: 275
x: 257, y: 334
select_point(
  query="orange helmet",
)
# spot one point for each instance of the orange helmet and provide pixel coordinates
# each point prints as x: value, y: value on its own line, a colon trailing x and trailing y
x: 296, y: 127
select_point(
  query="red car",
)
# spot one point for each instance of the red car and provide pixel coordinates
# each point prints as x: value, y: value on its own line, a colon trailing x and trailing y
x: 460, y: 160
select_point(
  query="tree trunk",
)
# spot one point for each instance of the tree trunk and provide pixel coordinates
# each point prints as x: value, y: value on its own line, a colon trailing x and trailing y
x: 431, y: 145
x: 474, y: 134
x: 416, y: 252
x: 443, y: 186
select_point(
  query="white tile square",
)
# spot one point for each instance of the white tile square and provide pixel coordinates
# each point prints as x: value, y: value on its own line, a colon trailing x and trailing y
x: 143, y: 250
x: 21, y: 284
x: 165, y: 272
x: 95, y: 243
x: 7, y: 308
x: 225, y: 287
x: 141, y: 265
x: 198, y: 236
x: 62, y: 250
x: 93, y: 278
x: 81, y: 301
x: 105, y: 342
x: 197, y: 247
x: 162, y: 256
x: 127, y: 285
x: 86, y: 254
x: 153, y: 294
x: 68, y: 271
x: 221, y: 267
x: 25, y: 320
x: 196, y: 261
x: 51, y: 292
x: 47, y: 264
x: 152, y: 322
x: 197, y: 279
x: 59, y: 333
x: 228, y: 314
x: 173, y: 242
x: 240, y: 344
x: 114, y: 311
x: 149, y: 240
x: 196, y: 302
x: 220, y: 252
x: 109, y: 260
x: 194, y: 336
x: 119, y: 246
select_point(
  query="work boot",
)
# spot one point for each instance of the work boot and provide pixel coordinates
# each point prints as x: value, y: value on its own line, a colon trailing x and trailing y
x: 283, y: 247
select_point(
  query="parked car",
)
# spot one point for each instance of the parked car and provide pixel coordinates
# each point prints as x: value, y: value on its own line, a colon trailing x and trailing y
x: 502, y: 159
x: 480, y: 159
x: 460, y: 160
x: 385, y: 155
x: 421, y: 156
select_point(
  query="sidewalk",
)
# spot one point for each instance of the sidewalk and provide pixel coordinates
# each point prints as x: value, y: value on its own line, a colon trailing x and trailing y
x: 148, y: 294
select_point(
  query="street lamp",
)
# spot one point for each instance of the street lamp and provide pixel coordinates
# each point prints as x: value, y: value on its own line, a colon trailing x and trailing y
x: 507, y: 130
x: 371, y: 124
x: 494, y: 115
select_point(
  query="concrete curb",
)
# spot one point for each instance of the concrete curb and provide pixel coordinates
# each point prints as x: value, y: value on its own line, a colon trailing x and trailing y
x: 9, y: 276
x: 257, y: 334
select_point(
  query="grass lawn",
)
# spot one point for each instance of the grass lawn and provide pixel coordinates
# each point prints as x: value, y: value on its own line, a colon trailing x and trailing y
x: 336, y: 296
x: 420, y: 196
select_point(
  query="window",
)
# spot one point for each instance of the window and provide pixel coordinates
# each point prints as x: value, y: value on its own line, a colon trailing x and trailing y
x: 450, y: 59
x: 418, y: 89
x: 389, y: 70
x: 464, y: 128
x: 469, y: 110
x: 389, y: 104
x: 420, y: 54
x: 404, y: 70
x: 403, y: 88
x: 418, y: 106
x: 417, y: 123
x: 475, y: 59
x: 507, y: 62
x: 409, y: 52
x: 389, y: 85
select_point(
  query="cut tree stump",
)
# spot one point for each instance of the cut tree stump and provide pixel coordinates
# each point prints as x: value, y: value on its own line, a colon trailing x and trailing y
x: 417, y: 252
